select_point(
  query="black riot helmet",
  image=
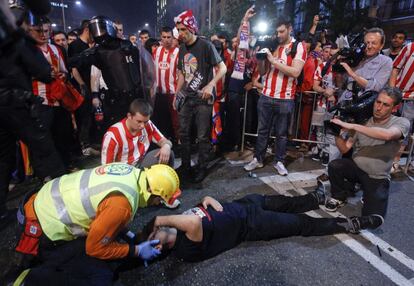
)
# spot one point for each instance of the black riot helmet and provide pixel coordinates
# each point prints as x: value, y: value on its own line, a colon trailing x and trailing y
x: 102, y: 29
x: 35, y: 20
x: 27, y: 11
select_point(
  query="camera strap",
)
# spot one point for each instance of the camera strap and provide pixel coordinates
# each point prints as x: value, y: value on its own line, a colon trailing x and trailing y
x: 294, y: 49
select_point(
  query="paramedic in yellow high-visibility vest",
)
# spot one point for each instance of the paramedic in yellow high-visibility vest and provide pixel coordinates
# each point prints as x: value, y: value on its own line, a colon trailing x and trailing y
x: 73, y: 222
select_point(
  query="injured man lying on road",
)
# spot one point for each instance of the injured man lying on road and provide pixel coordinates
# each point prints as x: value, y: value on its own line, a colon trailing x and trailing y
x: 212, y: 228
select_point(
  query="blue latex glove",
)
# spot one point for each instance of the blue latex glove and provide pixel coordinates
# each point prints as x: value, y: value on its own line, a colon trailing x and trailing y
x: 146, y: 250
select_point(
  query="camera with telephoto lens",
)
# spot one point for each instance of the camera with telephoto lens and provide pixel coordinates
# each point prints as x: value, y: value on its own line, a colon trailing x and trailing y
x: 323, y: 17
x: 358, y: 111
x: 265, y: 43
x: 351, y: 55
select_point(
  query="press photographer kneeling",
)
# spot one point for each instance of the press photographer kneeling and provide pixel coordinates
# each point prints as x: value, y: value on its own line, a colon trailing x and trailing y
x: 374, y: 147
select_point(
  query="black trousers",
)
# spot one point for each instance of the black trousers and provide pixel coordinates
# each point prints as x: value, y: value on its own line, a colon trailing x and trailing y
x: 18, y: 123
x: 232, y: 128
x: 68, y: 264
x: 344, y: 173
x: 83, y: 116
x: 164, y: 117
x: 195, y: 109
x: 59, y: 122
x: 271, y: 217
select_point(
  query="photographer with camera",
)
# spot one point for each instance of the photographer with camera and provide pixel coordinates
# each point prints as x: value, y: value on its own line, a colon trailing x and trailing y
x: 21, y: 61
x: 280, y: 68
x: 373, y: 72
x: 374, y: 146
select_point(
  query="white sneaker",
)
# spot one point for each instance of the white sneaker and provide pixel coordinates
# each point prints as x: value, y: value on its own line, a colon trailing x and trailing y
x: 281, y: 168
x: 174, y: 205
x: 254, y: 164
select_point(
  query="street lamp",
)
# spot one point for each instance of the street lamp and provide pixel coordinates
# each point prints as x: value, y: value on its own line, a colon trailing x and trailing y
x: 221, y: 24
x: 63, y: 16
x: 146, y: 24
x: 78, y: 3
x: 209, y: 14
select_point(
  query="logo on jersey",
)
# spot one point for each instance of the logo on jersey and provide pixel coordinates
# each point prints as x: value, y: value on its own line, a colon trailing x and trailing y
x: 114, y: 169
x: 163, y: 65
x: 198, y: 211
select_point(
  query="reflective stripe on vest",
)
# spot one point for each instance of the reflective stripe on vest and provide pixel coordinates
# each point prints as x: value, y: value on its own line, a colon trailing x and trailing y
x: 71, y: 220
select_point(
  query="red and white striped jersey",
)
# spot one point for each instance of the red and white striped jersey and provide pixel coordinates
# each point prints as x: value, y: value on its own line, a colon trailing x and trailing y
x: 276, y: 83
x: 55, y: 58
x: 166, y: 69
x: 326, y: 81
x: 119, y: 145
x: 405, y: 63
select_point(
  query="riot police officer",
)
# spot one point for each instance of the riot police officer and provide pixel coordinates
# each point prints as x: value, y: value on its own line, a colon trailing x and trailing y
x: 21, y: 61
x: 121, y: 68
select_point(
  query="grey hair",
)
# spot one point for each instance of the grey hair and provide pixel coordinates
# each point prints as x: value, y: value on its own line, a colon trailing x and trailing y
x: 377, y: 30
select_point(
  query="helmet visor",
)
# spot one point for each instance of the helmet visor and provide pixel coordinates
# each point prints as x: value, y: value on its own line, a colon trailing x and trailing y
x: 101, y: 27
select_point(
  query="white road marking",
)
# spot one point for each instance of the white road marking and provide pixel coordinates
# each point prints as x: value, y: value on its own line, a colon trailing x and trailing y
x: 296, y: 181
x: 389, y: 249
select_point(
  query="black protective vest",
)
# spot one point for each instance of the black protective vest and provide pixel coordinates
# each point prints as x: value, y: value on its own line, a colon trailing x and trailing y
x: 120, y: 66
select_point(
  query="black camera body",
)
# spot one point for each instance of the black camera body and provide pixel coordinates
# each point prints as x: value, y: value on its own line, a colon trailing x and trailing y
x: 323, y: 17
x: 267, y: 42
x: 262, y: 54
x: 351, y: 55
x: 352, y: 111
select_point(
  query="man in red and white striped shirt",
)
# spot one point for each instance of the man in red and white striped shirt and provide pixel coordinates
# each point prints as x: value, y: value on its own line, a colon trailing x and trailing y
x: 166, y: 60
x: 280, y: 70
x: 402, y: 77
x: 128, y: 140
x: 54, y: 117
x: 403, y: 69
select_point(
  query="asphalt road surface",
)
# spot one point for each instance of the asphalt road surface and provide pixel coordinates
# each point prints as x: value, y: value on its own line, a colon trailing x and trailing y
x: 381, y: 257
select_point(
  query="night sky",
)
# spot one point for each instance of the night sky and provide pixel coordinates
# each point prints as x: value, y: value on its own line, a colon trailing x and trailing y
x: 132, y: 13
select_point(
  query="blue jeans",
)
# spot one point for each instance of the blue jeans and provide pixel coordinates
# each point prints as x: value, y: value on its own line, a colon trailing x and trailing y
x: 273, y: 113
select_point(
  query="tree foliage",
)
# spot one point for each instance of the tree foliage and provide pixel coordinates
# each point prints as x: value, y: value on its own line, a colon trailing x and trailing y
x: 344, y: 16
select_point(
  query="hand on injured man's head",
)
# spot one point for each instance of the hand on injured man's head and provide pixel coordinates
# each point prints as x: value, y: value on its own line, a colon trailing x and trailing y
x: 166, y: 237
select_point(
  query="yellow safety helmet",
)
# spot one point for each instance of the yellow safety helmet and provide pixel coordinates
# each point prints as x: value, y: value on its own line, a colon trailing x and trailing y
x: 164, y: 182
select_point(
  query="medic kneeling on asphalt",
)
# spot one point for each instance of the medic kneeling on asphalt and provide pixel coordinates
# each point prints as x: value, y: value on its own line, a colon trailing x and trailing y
x: 72, y: 224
